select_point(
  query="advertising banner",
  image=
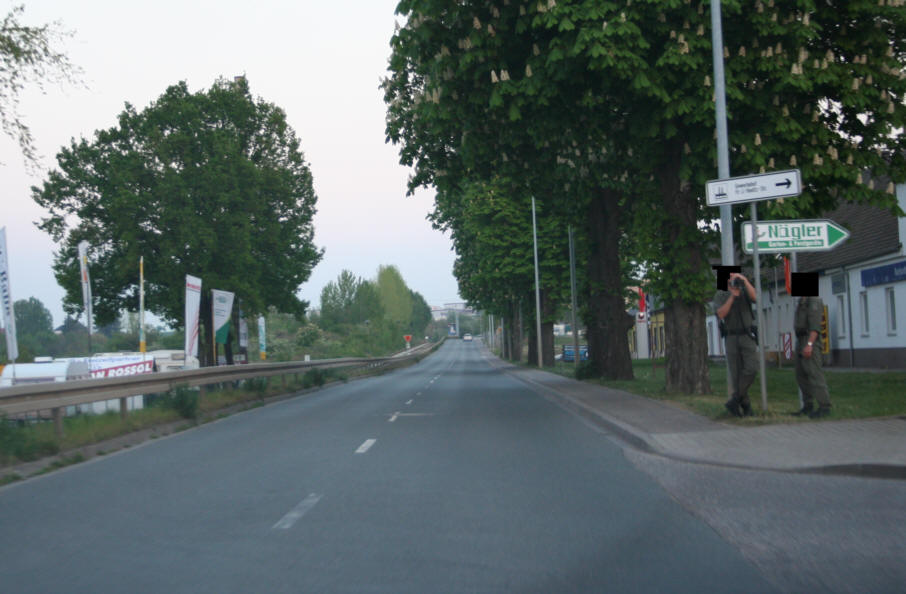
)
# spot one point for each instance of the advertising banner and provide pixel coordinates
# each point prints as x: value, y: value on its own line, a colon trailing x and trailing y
x: 193, y: 312
x: 222, y: 304
x: 6, y: 301
x: 262, y: 338
x: 86, y: 284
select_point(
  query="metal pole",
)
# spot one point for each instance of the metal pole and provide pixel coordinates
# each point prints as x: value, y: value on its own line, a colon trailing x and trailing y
x: 794, y: 267
x: 141, y: 304
x: 537, y: 286
x: 759, y: 314
x: 572, y: 288
x: 727, y: 254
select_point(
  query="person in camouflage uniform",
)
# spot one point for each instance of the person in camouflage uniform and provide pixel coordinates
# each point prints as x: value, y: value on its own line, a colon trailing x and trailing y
x: 809, y: 375
x: 734, y: 308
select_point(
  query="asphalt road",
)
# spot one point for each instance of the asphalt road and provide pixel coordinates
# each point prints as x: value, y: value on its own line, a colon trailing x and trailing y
x: 447, y: 476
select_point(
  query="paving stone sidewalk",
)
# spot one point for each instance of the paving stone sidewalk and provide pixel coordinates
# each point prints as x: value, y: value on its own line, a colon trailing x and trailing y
x: 871, y: 447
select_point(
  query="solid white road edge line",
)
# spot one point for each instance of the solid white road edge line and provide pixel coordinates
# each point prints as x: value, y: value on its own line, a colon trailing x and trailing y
x: 293, y: 516
x: 366, y: 445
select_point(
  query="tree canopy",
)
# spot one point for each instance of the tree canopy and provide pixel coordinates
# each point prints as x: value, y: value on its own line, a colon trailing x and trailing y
x: 212, y: 184
x: 607, y: 108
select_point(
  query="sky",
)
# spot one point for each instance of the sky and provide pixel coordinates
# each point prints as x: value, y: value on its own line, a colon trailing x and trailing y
x: 322, y: 62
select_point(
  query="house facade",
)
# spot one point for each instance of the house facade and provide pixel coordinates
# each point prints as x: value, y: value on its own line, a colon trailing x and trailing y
x: 863, y: 286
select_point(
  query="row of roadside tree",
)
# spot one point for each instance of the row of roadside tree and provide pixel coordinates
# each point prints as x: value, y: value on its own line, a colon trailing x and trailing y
x: 604, y: 112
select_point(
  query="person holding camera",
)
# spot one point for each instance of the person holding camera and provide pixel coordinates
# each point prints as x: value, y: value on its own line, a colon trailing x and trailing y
x: 734, y: 309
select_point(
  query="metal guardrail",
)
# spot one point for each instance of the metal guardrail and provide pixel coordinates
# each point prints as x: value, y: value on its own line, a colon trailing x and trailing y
x: 56, y: 396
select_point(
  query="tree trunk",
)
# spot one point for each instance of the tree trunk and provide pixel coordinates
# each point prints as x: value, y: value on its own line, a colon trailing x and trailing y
x: 547, y: 334
x: 514, y: 335
x: 684, y: 258
x: 687, y: 352
x: 606, y: 320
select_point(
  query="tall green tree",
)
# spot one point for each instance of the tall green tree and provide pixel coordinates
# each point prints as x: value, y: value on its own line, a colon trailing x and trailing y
x: 34, y: 328
x: 338, y: 300
x: 212, y: 184
x: 620, y: 93
x: 29, y: 55
x: 396, y: 299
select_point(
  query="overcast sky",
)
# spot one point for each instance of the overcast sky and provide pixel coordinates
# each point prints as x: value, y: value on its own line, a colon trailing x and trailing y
x: 320, y: 61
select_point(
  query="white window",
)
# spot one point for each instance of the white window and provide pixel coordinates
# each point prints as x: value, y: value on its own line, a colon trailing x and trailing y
x: 891, y: 302
x: 863, y: 303
x: 841, y: 317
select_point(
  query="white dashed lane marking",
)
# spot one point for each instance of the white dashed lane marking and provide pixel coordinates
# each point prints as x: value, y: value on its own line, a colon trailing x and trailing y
x: 366, y: 445
x: 296, y: 513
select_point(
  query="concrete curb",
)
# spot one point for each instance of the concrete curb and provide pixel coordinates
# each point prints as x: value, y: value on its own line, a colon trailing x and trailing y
x: 642, y: 441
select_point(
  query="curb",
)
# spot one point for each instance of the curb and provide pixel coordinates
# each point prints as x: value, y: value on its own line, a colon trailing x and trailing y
x: 640, y: 440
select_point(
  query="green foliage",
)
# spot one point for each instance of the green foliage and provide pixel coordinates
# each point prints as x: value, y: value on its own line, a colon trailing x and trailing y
x: 20, y: 443
x: 212, y: 184
x: 396, y: 299
x: 576, y: 96
x: 182, y: 399
x: 315, y: 378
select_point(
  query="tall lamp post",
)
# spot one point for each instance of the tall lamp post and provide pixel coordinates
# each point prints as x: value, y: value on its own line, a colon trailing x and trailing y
x: 537, y: 287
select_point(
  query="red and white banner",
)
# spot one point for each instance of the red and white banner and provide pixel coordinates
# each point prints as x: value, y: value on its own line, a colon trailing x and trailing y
x: 124, y: 370
x: 193, y: 311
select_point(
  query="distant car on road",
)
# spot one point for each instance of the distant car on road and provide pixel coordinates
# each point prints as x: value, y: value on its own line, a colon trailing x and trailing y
x: 467, y: 337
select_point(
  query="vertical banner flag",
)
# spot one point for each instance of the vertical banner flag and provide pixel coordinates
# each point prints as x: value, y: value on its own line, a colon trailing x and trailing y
x: 6, y: 301
x: 243, y: 332
x: 262, y: 338
x: 86, y: 284
x: 193, y: 311
x: 223, y: 307
x: 141, y: 304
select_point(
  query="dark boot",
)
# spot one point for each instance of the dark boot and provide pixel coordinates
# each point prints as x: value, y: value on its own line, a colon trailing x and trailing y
x: 821, y: 412
x: 805, y: 410
x: 746, y: 409
x: 733, y: 407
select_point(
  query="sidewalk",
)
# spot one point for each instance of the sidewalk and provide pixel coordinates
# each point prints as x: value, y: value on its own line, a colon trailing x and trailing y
x: 868, y: 448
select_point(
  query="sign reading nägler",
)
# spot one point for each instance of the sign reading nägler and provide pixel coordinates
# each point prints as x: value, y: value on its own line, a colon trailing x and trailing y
x: 794, y: 236
x: 752, y: 188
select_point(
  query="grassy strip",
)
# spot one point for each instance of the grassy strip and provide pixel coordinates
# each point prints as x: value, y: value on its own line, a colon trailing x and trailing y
x: 854, y: 394
x: 35, y: 440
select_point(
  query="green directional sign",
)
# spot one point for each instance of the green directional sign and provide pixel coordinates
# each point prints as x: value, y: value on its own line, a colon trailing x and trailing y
x: 777, y: 237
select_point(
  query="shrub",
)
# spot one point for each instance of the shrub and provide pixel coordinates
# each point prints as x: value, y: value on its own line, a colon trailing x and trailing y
x: 21, y: 443
x: 182, y: 399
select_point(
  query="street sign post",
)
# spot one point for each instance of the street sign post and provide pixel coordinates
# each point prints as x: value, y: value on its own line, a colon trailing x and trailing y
x: 754, y: 188
x: 751, y: 189
x: 777, y: 237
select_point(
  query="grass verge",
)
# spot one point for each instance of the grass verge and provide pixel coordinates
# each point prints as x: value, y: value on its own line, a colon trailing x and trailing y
x: 855, y: 394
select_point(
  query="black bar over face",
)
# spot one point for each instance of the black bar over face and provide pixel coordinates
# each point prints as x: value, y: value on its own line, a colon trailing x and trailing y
x: 804, y: 284
x: 723, y: 275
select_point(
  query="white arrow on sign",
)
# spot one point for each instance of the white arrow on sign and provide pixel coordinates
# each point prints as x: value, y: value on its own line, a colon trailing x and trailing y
x: 777, y: 237
x: 752, y: 188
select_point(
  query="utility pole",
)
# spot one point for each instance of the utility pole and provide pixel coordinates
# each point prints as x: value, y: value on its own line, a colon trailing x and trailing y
x: 537, y: 287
